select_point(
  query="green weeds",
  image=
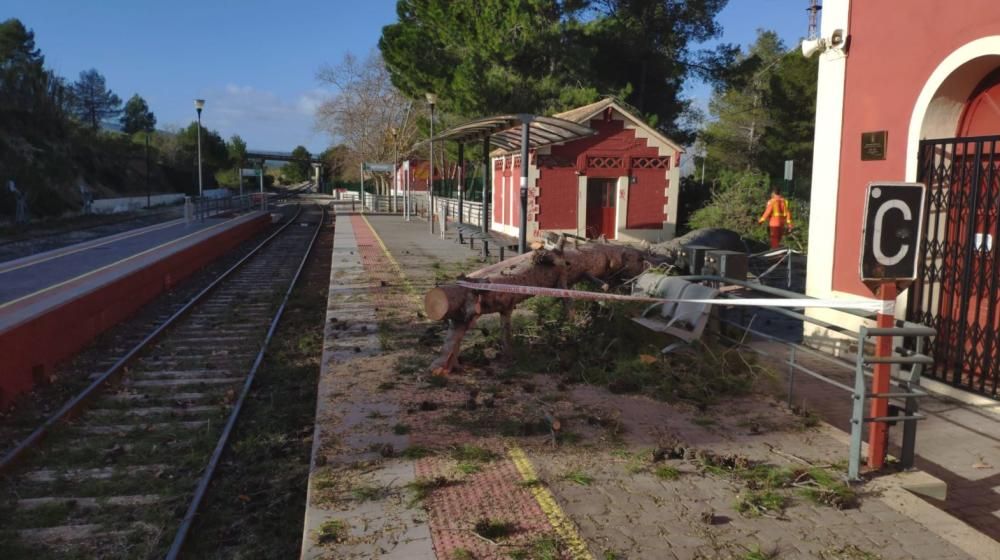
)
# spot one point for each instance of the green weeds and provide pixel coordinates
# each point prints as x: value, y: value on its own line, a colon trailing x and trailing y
x: 578, y: 477
x: 331, y: 531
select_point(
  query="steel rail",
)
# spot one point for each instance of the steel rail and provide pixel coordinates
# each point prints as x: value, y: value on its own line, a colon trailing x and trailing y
x: 10, y: 458
x: 182, y: 532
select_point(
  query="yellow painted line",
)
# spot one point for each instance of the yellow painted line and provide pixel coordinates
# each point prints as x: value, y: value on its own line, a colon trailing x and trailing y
x: 562, y: 524
x: 73, y: 249
x: 392, y: 260
x: 107, y: 266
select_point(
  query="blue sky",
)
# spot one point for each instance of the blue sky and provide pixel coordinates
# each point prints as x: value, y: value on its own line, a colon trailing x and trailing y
x: 254, y: 61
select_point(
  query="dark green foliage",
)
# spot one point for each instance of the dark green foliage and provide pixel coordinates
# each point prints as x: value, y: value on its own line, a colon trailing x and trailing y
x: 486, y: 57
x: 301, y: 169
x: 764, y: 114
x: 93, y: 102
x: 601, y: 345
x: 137, y: 117
x: 48, y: 153
x: 738, y: 200
x: 237, y: 150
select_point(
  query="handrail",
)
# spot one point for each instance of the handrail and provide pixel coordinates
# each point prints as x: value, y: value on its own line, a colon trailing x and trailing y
x: 789, y: 294
x: 908, y: 384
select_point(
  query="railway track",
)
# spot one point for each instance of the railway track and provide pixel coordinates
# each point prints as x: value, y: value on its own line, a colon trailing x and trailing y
x: 124, y: 477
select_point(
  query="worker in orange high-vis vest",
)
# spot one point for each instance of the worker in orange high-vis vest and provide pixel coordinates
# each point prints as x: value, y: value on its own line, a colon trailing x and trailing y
x: 778, y: 217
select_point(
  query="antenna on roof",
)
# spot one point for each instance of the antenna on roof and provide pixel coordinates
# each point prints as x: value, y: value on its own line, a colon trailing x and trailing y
x: 813, y: 10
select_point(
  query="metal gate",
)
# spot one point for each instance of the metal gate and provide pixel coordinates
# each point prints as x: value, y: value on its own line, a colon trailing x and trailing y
x: 956, y: 290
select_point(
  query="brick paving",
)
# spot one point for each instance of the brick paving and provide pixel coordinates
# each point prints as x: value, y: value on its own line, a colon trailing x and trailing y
x: 602, y: 477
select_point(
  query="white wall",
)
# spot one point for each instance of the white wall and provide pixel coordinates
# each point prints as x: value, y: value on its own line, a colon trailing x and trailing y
x: 129, y: 203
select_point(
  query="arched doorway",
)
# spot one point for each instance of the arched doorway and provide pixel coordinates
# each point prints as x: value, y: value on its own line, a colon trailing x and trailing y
x: 981, y: 112
x: 958, y: 286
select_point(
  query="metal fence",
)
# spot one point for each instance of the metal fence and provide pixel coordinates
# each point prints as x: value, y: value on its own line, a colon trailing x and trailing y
x: 204, y: 207
x: 907, y: 381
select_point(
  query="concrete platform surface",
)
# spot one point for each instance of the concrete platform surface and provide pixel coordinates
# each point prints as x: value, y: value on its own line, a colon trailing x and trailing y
x: 409, y: 466
x: 57, y: 303
x: 23, y: 277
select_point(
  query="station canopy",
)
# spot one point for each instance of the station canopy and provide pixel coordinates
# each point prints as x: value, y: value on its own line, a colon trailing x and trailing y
x: 504, y: 131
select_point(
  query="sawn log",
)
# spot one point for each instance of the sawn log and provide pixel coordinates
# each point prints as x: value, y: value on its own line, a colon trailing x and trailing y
x: 557, y: 267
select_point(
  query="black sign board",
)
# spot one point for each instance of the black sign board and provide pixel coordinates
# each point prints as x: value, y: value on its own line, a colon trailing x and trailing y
x: 893, y: 226
x: 873, y: 145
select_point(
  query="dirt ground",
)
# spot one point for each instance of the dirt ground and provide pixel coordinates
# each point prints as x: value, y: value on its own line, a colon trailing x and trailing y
x: 631, y: 476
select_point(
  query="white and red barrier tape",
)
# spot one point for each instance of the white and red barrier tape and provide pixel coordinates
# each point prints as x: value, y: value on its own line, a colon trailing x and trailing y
x: 873, y: 305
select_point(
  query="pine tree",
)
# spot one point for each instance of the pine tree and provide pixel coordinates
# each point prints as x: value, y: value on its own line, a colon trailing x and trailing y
x: 484, y: 57
x: 137, y: 117
x: 93, y: 101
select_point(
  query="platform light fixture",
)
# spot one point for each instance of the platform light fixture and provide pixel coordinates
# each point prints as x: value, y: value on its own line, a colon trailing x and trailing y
x: 431, y: 100
x: 199, y: 104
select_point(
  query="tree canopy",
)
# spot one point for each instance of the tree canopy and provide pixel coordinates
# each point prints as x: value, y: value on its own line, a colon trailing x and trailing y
x: 764, y: 112
x: 92, y: 99
x: 137, y: 117
x: 505, y: 56
x: 237, y: 150
x: 300, y: 169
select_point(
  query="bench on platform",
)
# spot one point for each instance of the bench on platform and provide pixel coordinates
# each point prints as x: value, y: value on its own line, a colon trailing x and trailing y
x: 472, y: 233
x: 683, y: 320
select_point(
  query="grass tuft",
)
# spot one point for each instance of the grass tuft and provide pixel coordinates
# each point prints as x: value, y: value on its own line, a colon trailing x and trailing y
x: 331, y: 531
x: 754, y: 503
x: 578, y: 477
x: 666, y: 472
x: 422, y: 488
x: 400, y: 429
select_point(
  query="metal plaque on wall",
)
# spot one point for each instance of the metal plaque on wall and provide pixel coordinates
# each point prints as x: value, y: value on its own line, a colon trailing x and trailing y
x: 873, y: 145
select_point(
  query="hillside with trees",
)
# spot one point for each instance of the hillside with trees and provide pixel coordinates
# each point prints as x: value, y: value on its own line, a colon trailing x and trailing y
x: 56, y: 135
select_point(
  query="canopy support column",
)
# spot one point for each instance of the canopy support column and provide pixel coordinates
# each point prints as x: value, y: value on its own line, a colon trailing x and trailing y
x: 522, y: 239
x: 460, y: 175
x: 486, y: 193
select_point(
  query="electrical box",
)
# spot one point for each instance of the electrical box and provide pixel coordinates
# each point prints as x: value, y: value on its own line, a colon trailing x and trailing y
x: 692, y: 258
x: 729, y: 264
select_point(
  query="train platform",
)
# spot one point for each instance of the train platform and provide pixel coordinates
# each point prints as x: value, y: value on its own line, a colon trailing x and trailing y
x: 53, y: 303
x: 473, y: 465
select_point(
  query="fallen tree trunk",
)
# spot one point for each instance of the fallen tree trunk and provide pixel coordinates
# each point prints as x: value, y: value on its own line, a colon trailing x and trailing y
x: 558, y: 267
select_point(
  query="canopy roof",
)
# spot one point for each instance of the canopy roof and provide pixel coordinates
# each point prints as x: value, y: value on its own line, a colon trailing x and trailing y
x: 504, y: 131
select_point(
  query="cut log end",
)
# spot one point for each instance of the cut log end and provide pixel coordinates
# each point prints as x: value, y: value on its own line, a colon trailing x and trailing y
x: 444, y: 302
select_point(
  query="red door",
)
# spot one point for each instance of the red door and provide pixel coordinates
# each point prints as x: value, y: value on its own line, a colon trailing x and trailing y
x: 601, y: 208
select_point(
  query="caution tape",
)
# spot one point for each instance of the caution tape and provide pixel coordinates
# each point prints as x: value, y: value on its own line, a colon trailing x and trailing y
x: 872, y: 305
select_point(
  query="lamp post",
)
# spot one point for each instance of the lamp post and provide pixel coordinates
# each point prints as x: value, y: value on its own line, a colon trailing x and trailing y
x: 147, y: 169
x: 199, y: 104
x: 392, y: 195
x: 431, y: 100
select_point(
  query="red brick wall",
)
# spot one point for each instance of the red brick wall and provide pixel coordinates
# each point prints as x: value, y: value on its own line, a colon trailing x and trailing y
x: 558, y: 183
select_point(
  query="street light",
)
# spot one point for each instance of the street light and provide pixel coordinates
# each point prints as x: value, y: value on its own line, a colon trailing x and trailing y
x: 431, y: 100
x: 199, y: 104
x: 392, y: 195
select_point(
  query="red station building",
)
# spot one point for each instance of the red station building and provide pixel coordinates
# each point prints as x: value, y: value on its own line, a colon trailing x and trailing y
x: 909, y: 90
x: 622, y: 182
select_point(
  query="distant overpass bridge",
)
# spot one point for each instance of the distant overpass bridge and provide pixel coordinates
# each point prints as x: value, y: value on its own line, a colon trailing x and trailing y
x: 264, y: 155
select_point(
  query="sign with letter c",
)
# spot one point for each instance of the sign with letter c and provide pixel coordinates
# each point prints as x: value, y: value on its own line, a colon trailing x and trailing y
x: 893, y: 229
